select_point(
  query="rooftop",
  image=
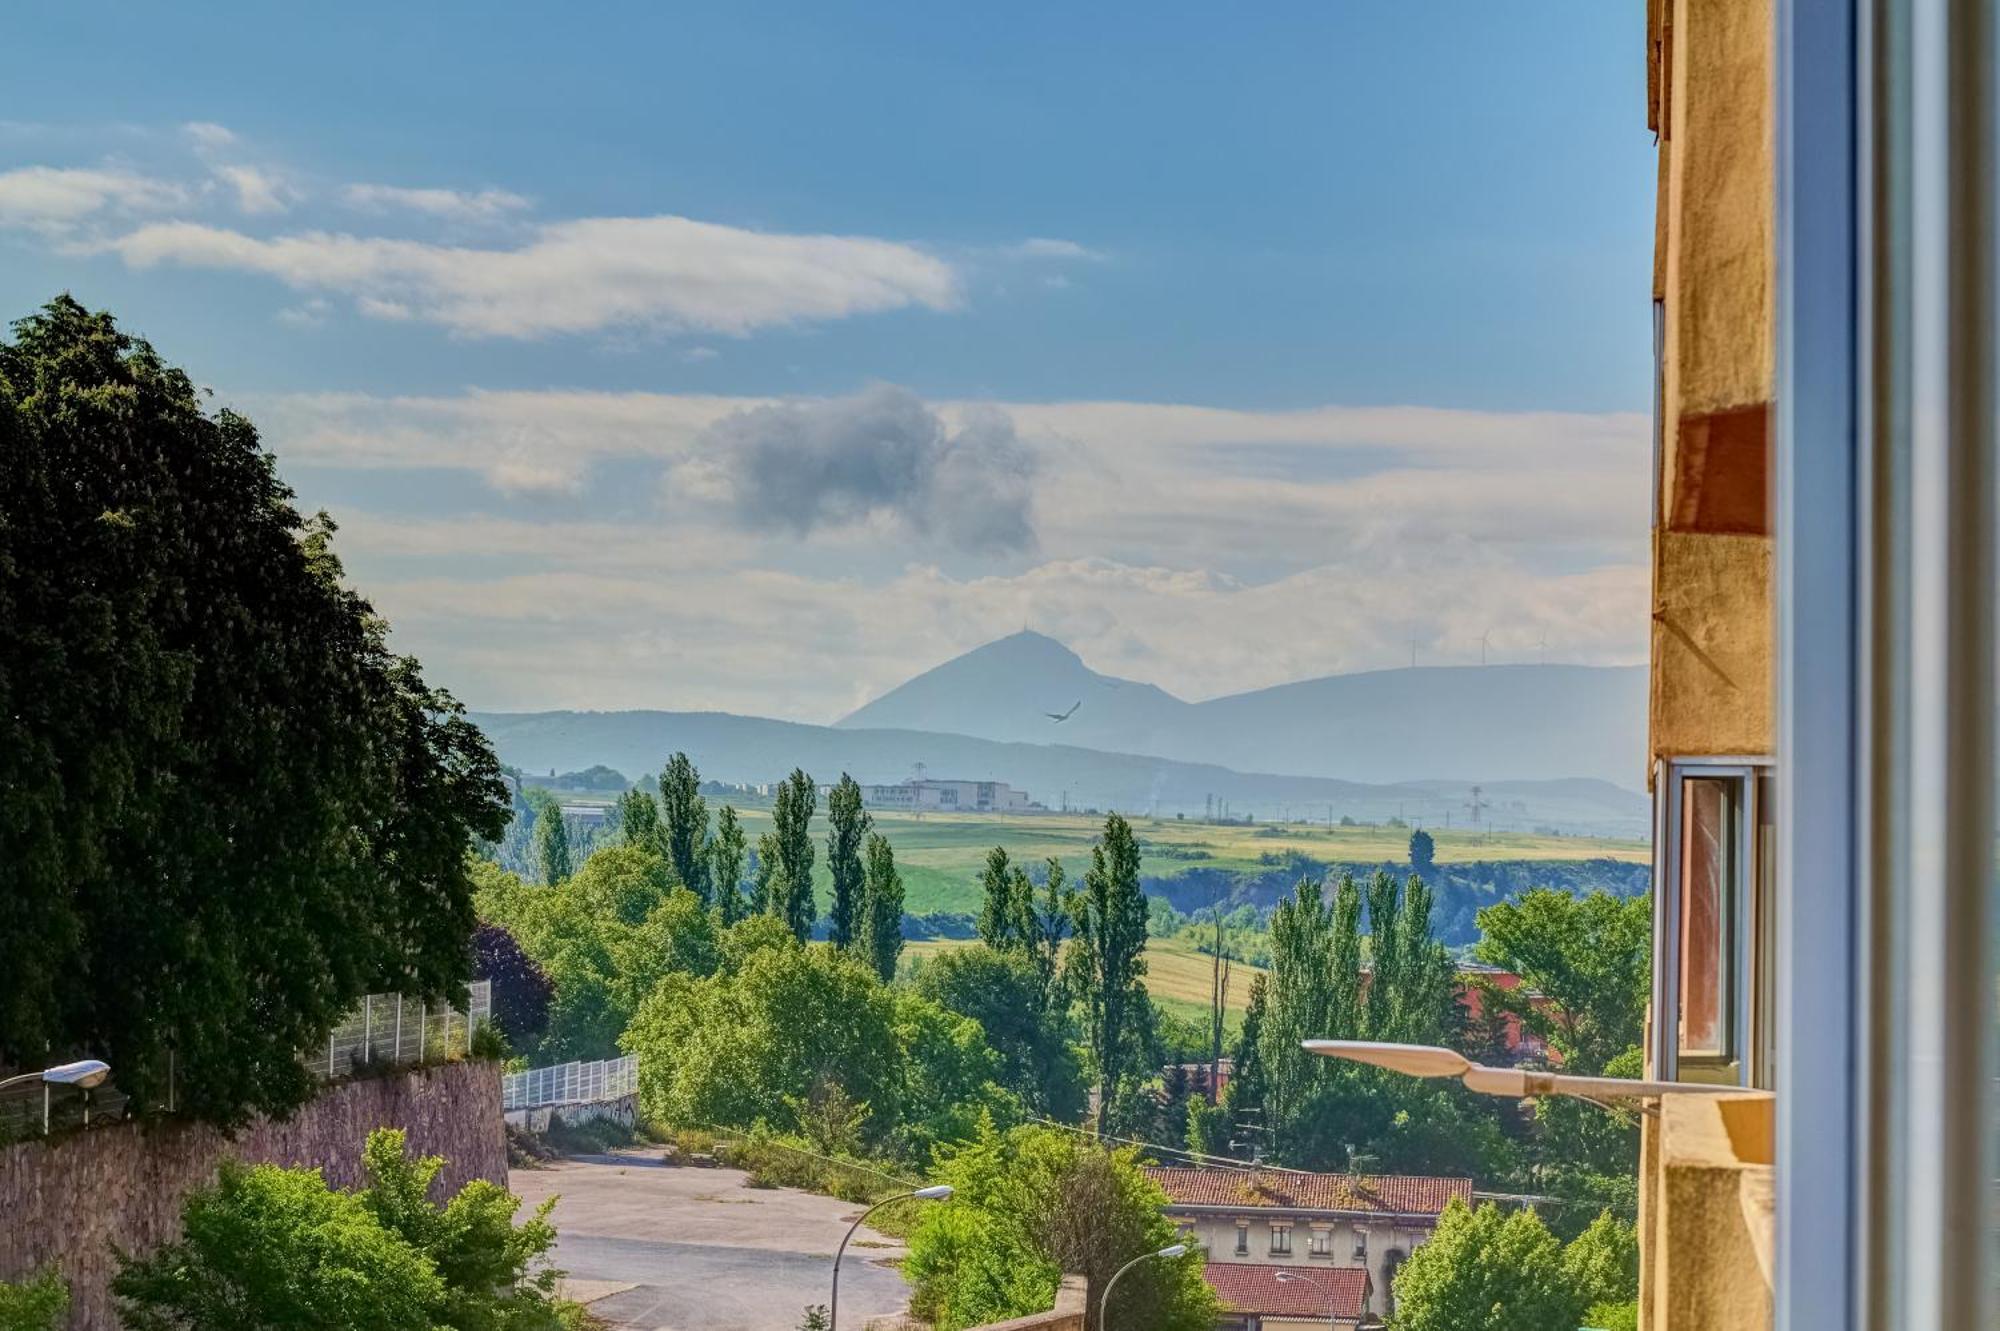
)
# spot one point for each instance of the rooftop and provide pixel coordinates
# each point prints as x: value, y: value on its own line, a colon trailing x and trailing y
x: 1248, y: 1287
x: 1386, y: 1194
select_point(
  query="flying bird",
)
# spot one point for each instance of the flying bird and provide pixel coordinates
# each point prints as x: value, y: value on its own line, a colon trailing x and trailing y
x: 1060, y: 717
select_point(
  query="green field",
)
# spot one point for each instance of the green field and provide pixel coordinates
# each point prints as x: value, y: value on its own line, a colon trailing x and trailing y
x: 1177, y: 976
x: 940, y: 854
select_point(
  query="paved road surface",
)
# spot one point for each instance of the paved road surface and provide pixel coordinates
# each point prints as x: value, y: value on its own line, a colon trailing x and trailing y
x: 701, y: 1251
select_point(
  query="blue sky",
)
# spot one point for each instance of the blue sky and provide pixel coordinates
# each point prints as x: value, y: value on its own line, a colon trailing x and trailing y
x: 1139, y: 322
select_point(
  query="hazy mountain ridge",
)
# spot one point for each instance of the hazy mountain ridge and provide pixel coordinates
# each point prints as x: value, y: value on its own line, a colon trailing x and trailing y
x: 1453, y: 723
x: 745, y: 749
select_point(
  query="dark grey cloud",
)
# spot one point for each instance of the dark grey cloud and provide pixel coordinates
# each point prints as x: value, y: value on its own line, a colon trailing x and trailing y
x: 804, y: 466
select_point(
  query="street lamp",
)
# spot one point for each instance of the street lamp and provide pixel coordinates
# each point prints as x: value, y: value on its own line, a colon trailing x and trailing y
x: 82, y: 1074
x: 1422, y: 1060
x: 1287, y: 1276
x: 1104, y: 1305
x: 937, y: 1192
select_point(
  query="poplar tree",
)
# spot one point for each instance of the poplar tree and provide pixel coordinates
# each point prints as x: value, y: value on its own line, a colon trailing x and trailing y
x: 552, y: 845
x: 785, y: 856
x: 999, y: 911
x: 1111, y: 938
x: 638, y: 818
x: 881, y: 915
x: 726, y: 855
x: 1053, y: 920
x: 1385, y: 982
x: 847, y: 826
x: 684, y: 816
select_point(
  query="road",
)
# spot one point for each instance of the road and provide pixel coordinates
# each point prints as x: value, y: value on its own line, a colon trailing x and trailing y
x: 657, y: 1247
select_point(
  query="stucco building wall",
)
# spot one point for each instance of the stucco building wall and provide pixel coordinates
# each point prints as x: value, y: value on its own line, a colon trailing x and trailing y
x: 67, y: 1203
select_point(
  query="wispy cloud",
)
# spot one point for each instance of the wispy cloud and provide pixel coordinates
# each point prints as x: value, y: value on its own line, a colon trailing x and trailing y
x: 258, y: 192
x: 55, y: 200
x: 1045, y: 247
x: 451, y: 204
x: 665, y: 273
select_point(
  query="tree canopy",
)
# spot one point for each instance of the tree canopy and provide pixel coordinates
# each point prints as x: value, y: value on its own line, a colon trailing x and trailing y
x: 231, y: 810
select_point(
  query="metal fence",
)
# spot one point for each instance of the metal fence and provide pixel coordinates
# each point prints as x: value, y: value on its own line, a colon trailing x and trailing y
x: 386, y: 1030
x: 570, y: 1083
x: 390, y: 1030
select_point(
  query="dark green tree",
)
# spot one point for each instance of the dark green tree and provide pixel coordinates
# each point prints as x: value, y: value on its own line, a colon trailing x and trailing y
x: 1052, y: 920
x: 552, y: 845
x: 637, y: 816
x: 1423, y: 853
x: 1109, y: 958
x: 1002, y: 910
x: 230, y: 810
x: 785, y: 856
x: 881, y: 926
x: 847, y: 826
x: 1585, y: 968
x: 1002, y: 992
x: 684, y: 819
x: 1385, y: 937
x: 725, y: 864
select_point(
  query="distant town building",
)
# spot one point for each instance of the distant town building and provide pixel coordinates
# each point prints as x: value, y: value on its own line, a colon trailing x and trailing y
x: 949, y: 796
x: 592, y: 816
x: 1337, y: 1222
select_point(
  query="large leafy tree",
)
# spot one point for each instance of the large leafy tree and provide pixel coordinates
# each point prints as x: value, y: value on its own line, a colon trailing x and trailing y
x: 1002, y: 992
x: 847, y: 826
x: 1585, y: 968
x: 1482, y: 1270
x: 1033, y: 1204
x: 1109, y: 964
x: 552, y: 856
x: 231, y: 811
x: 785, y: 856
x: 684, y: 823
x: 521, y: 988
x: 880, y: 937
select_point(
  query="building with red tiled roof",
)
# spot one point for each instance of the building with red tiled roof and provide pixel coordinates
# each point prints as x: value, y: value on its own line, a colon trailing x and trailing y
x: 1255, y: 1298
x: 1368, y: 1223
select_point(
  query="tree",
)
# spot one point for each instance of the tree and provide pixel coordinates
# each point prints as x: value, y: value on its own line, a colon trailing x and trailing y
x: 684, y: 818
x: 1002, y: 992
x: 881, y: 924
x: 785, y: 856
x: 637, y: 817
x: 272, y: 1247
x: 1484, y: 1271
x: 1006, y: 904
x: 37, y: 1304
x: 1585, y: 968
x: 847, y: 825
x: 231, y: 810
x: 1032, y: 1204
x: 1111, y: 937
x: 1423, y: 853
x: 816, y: 1318
x: 1602, y: 1263
x: 552, y: 846
x: 521, y: 989
x: 725, y: 861
x: 1052, y: 920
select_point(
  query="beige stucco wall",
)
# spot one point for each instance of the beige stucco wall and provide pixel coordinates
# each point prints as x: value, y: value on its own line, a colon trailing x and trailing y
x: 1712, y: 645
x: 1706, y: 1236
x: 66, y: 1204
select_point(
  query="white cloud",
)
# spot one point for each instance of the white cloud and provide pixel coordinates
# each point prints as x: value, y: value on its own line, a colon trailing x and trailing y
x: 1046, y: 247
x: 56, y: 199
x: 666, y: 273
x: 208, y: 136
x: 456, y: 205
x: 258, y: 192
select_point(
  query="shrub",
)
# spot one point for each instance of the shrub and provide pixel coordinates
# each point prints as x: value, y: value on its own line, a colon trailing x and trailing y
x: 489, y: 1042
x: 268, y: 1247
x: 40, y: 1304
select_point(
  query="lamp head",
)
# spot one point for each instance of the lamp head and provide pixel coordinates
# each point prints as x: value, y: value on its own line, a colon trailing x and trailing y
x: 937, y: 1192
x: 86, y: 1073
x: 1414, y: 1060
x: 1290, y: 1277
x: 1173, y: 1250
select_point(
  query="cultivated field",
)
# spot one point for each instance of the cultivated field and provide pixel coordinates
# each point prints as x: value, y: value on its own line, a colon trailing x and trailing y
x: 1177, y: 976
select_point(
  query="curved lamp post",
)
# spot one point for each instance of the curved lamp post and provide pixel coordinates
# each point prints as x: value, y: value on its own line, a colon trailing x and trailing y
x: 1287, y: 1276
x: 83, y: 1074
x: 935, y: 1193
x: 1422, y: 1060
x: 1104, y: 1304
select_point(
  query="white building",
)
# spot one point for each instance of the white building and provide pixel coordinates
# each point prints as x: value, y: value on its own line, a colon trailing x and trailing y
x: 1284, y: 1218
x: 949, y: 796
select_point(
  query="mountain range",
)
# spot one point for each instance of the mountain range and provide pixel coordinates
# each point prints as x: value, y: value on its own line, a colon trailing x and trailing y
x: 1457, y: 723
x: 1549, y: 745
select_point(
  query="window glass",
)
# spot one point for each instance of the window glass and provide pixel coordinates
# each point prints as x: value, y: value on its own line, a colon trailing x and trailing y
x: 1708, y: 855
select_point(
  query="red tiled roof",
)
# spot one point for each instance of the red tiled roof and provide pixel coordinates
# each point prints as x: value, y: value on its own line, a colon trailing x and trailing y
x: 1246, y: 1287
x: 1386, y: 1194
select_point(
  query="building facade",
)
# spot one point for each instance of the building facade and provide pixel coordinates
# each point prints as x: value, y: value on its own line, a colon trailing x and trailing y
x: 1330, y: 1222
x: 948, y: 796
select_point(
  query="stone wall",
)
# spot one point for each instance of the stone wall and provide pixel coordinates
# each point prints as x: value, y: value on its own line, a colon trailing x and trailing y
x: 66, y: 1204
x: 1069, y: 1313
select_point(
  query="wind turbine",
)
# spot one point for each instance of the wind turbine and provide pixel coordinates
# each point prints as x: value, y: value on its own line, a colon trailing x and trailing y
x: 1482, y: 645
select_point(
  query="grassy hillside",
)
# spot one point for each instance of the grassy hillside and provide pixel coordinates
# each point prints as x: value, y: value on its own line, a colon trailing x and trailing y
x: 941, y: 855
x: 1177, y: 976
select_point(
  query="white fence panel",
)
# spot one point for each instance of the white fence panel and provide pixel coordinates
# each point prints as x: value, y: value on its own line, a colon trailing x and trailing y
x: 571, y: 1083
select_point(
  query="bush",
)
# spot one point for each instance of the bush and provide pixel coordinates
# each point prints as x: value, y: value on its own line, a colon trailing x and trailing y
x: 488, y: 1042
x: 269, y: 1247
x: 40, y: 1304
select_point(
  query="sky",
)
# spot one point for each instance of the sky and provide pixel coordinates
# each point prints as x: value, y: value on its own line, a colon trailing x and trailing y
x: 754, y: 357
